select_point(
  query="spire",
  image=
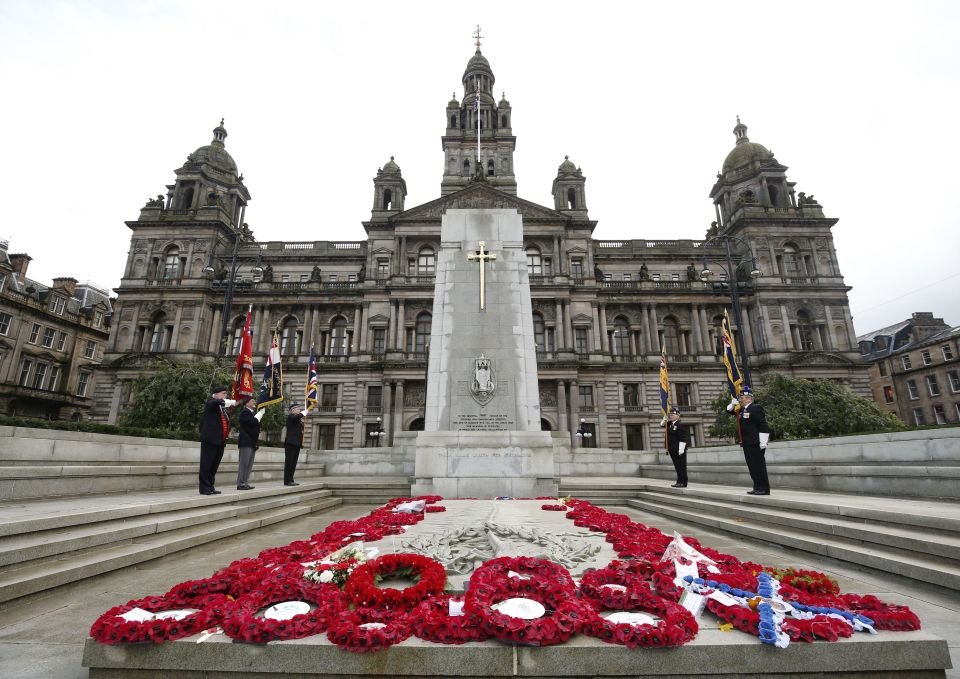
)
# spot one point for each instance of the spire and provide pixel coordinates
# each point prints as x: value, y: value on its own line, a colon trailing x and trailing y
x: 477, y: 36
x: 740, y: 132
x: 219, y: 134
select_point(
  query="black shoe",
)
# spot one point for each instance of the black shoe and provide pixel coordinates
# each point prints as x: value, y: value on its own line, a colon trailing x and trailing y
x: 758, y: 492
x: 206, y: 492
x: 215, y: 492
x: 291, y: 483
x: 676, y: 485
x: 245, y: 487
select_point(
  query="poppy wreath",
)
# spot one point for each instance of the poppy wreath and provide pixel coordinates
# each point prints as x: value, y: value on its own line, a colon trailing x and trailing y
x: 350, y: 632
x: 362, y: 590
x: 431, y: 621
x: 433, y: 509
x: 636, y: 595
x: 241, y: 623
x: 110, y: 628
x: 564, y: 615
x: 554, y: 508
x: 820, y: 627
x: 187, y: 593
x: 811, y: 582
x: 527, y: 567
x: 676, y: 627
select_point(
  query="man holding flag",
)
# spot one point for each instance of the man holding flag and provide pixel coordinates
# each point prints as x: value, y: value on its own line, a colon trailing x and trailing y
x: 293, y: 441
x: 271, y: 389
x: 675, y: 435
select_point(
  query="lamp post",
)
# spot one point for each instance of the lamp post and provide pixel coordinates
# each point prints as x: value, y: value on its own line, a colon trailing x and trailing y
x: 583, y: 435
x: 730, y: 266
x: 257, y: 271
x: 377, y: 436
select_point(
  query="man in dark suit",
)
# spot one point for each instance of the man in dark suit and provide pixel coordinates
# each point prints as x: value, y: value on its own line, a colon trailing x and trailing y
x: 249, y: 429
x: 213, y: 437
x: 292, y: 443
x: 754, y: 435
x: 677, y: 440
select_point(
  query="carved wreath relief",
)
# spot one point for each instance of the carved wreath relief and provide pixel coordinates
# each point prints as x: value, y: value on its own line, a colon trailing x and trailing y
x: 483, y: 385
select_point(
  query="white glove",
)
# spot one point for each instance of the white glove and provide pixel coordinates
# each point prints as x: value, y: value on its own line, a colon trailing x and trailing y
x: 229, y: 402
x: 259, y: 415
x: 683, y: 447
x: 733, y: 404
x: 663, y: 422
x: 764, y: 438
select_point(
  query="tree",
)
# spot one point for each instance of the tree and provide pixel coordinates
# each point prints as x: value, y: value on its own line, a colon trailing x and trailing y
x: 171, y: 395
x: 799, y: 408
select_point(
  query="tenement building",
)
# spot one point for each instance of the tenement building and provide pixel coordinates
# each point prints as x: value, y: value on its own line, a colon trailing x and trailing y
x: 601, y: 308
x: 915, y: 369
x: 51, y: 340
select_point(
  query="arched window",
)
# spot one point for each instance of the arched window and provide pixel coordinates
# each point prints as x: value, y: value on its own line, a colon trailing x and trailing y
x: 804, y: 331
x: 159, y: 333
x: 789, y: 261
x: 416, y: 425
x: 426, y: 262
x: 288, y: 337
x: 387, y: 199
x: 545, y: 425
x: 539, y: 331
x: 774, y: 191
x: 504, y: 121
x: 466, y: 167
x: 534, y: 262
x: 490, y: 168
x: 338, y: 337
x: 621, y: 337
x: 571, y: 198
x: 237, y: 335
x: 171, y: 264
x: 186, y: 198
x: 671, y: 336
x: 717, y: 332
x: 453, y: 121
x: 422, y: 332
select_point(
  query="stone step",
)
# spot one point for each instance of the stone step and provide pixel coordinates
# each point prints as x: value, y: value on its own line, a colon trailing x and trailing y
x: 930, y: 569
x: 43, y: 481
x: 18, y: 549
x: 48, y: 572
x: 367, y: 490
x: 27, y: 516
x: 904, y: 536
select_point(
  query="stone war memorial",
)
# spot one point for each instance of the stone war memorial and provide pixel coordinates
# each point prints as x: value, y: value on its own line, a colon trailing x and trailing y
x: 491, y: 541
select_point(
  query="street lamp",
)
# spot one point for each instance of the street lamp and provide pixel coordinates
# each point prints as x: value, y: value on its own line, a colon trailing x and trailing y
x: 257, y: 271
x: 583, y: 434
x: 731, y: 267
x: 377, y: 436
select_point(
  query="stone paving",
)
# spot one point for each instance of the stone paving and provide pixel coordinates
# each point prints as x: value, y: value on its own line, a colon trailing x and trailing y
x: 41, y: 636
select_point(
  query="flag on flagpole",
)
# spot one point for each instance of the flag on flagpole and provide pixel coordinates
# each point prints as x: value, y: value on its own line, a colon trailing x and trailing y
x: 243, y: 374
x: 664, y: 382
x: 734, y: 378
x: 311, y: 398
x: 271, y: 389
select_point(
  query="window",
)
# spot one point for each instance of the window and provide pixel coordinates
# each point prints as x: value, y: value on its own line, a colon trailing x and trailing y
x: 547, y: 266
x: 939, y: 414
x: 49, y: 335
x: 608, y: 277
x: 888, y: 394
x: 947, y: 352
x: 621, y: 337
x: 627, y: 278
x: 932, y: 386
x: 328, y: 395
x: 383, y: 267
x: 881, y: 343
x: 288, y: 338
x: 954, y: 377
x: 54, y: 378
x: 925, y: 355
x: 539, y: 332
x: 97, y: 319
x: 675, y: 277
x: 25, y: 367
x: 586, y: 398
x: 655, y: 277
x: 237, y: 336
x: 39, y: 375
x: 332, y: 278
x: 82, y: 384
x: 426, y: 262
x: 905, y: 362
x: 328, y: 436
x: 918, y: 418
x: 534, y: 262
x: 804, y: 331
x: 374, y: 398
x: 379, y: 340
x: 580, y: 344
x: 4, y: 323
x: 3, y: 280
x: 304, y: 278
x: 631, y: 396
x: 422, y: 332
x: 57, y: 304
x: 912, y: 390
x: 90, y: 350
x: 683, y: 394
x: 159, y: 334
x: 634, y: 437
x: 882, y: 367
x: 671, y: 336
x: 352, y: 278
x: 62, y: 341
x: 34, y: 333
x: 338, y: 337
x: 171, y: 264
x: 576, y: 267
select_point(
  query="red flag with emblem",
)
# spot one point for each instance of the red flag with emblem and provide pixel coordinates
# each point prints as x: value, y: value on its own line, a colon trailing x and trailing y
x: 243, y: 375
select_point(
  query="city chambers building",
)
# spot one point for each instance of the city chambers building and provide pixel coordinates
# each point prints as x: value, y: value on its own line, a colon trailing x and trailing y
x: 602, y: 308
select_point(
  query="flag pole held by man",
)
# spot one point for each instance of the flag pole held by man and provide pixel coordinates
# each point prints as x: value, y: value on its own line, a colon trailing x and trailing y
x: 676, y: 437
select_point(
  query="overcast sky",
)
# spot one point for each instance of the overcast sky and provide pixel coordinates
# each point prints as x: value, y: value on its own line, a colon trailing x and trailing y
x: 103, y: 100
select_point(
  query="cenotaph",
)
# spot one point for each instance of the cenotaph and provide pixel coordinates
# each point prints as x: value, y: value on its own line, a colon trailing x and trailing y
x: 482, y: 434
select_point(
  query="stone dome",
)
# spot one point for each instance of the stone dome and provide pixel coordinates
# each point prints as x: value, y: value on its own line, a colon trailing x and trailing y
x: 477, y: 64
x: 215, y: 153
x: 745, y: 153
x: 391, y: 167
x: 566, y: 166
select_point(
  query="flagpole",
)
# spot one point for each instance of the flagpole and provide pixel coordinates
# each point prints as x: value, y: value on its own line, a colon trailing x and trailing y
x: 479, y: 169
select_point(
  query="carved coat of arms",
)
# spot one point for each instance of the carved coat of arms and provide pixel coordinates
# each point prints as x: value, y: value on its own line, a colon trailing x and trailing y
x: 484, y: 384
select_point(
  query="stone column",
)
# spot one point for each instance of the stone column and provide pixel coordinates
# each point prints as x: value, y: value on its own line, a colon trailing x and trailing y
x: 357, y: 330
x: 387, y: 409
x: 176, y: 328
x: 568, y: 325
x: 654, y: 327
x: 698, y: 342
x: 398, y: 415
x: 604, y: 338
x: 392, y: 329
x: 574, y: 409
x: 561, y: 405
x: 215, y: 338
x: 401, y: 326
x: 831, y: 335
x: 747, y: 332
x: 308, y: 338
x: 558, y: 342
x: 645, y: 329
x: 705, y: 331
x: 851, y: 338
x: 602, y: 434
x: 133, y: 327
x: 633, y: 343
x: 359, y: 404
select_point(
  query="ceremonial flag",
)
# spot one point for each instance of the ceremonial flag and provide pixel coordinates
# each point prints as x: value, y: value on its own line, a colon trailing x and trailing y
x: 243, y: 375
x: 476, y: 101
x: 664, y: 381
x: 734, y: 378
x: 311, y: 398
x: 271, y: 390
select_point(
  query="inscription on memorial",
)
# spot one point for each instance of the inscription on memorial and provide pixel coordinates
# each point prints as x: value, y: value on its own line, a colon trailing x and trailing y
x: 483, y: 422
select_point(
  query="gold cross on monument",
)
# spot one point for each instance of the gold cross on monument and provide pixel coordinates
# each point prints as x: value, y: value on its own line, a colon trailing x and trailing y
x: 481, y: 256
x: 476, y: 34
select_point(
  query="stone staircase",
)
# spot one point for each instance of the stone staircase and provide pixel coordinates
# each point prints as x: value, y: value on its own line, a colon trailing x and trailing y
x: 911, y: 538
x: 368, y: 490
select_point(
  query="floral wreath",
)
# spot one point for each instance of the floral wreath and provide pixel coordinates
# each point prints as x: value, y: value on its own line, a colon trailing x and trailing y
x: 676, y: 627
x: 352, y: 629
x: 431, y: 621
x: 111, y: 628
x: 362, y: 590
x: 241, y: 623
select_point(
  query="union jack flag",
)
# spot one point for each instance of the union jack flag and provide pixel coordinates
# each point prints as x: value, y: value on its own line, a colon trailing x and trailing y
x: 311, y: 398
